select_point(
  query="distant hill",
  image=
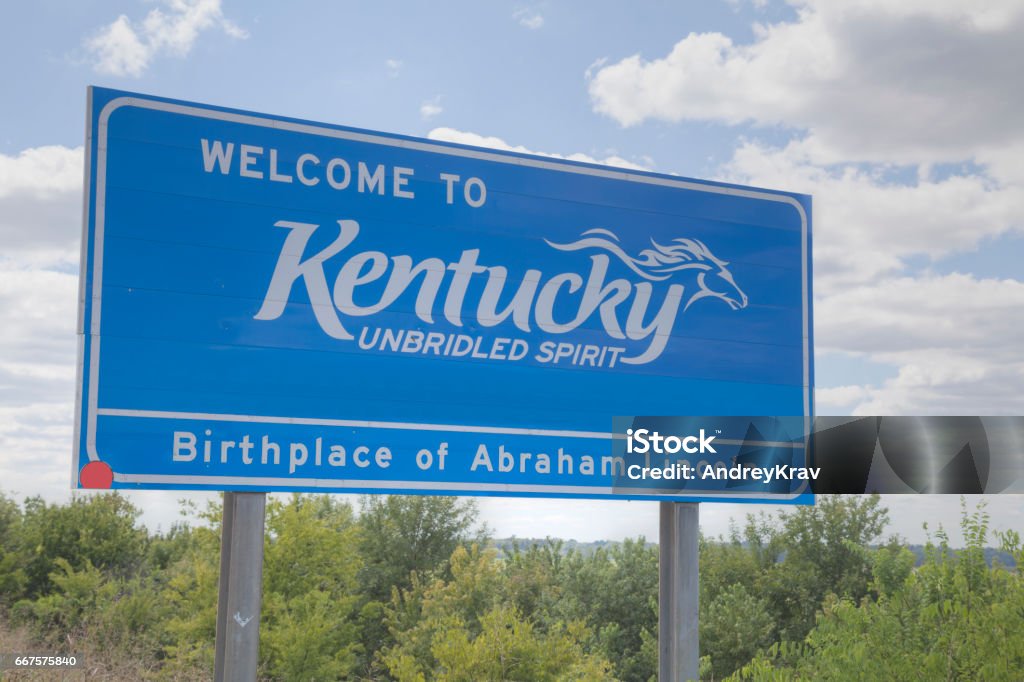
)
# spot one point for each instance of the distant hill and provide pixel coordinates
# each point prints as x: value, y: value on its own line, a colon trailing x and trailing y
x: 506, y: 545
x: 992, y: 556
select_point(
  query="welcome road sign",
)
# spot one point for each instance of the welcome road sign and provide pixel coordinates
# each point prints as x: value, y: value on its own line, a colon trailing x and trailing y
x: 274, y: 304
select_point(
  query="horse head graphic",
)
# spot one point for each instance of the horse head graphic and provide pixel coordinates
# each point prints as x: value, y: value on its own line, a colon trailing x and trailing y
x: 663, y: 262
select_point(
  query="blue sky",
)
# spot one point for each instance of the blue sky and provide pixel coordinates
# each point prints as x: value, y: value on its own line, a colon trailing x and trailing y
x: 902, y: 119
x: 374, y: 64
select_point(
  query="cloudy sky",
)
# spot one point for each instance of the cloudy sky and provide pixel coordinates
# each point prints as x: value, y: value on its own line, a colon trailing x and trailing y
x: 901, y: 119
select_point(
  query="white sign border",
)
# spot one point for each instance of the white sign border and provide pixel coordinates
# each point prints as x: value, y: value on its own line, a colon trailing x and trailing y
x: 96, y: 289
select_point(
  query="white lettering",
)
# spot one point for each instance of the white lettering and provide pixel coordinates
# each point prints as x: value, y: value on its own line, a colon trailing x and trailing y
x: 217, y: 154
x: 332, y: 180
x: 627, y: 311
x: 301, y: 174
x: 481, y: 192
x: 399, y: 181
x: 291, y: 267
x: 449, y: 181
x: 275, y: 176
x: 184, y: 446
x: 371, y: 182
x: 247, y: 159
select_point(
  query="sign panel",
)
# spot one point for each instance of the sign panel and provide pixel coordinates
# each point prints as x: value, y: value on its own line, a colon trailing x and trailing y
x: 275, y: 304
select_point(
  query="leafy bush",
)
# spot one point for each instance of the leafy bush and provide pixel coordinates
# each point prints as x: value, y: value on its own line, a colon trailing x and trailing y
x: 408, y: 589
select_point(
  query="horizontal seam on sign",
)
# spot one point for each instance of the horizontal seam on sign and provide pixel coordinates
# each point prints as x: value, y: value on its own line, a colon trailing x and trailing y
x: 249, y: 390
x: 409, y: 318
x: 332, y: 218
x: 413, y: 356
x: 312, y: 421
x: 460, y: 486
x: 495, y: 192
x: 160, y: 414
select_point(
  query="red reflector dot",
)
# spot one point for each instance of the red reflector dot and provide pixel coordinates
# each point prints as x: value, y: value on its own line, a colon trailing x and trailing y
x: 96, y: 475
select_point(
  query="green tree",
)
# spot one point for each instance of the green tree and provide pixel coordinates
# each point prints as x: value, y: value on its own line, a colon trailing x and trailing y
x: 191, y: 590
x: 820, y: 552
x: 464, y: 629
x: 10, y: 522
x: 734, y: 627
x: 91, y: 614
x: 402, y: 536
x: 310, y: 590
x: 954, y: 618
x: 12, y: 574
x: 534, y: 575
x: 510, y: 648
x: 407, y: 533
x: 94, y: 529
x: 614, y: 591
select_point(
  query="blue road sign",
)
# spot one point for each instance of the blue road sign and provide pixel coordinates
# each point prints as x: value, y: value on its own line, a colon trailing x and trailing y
x: 275, y: 304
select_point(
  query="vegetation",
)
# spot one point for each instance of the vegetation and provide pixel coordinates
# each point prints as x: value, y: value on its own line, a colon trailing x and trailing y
x: 411, y: 589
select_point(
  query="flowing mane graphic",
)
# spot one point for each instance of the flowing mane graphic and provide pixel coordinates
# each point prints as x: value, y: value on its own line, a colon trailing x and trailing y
x: 658, y: 264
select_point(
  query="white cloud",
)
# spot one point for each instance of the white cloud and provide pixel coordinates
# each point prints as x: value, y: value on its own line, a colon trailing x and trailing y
x: 431, y: 107
x: 394, y: 67
x: 907, y: 315
x: 839, y: 399
x: 594, y: 67
x: 866, y: 225
x: 118, y: 50
x: 126, y: 48
x: 956, y: 340
x: 41, y: 171
x: 529, y: 19
x: 41, y: 207
x: 38, y: 315
x: 35, y: 439
x: 947, y: 382
x: 477, y: 140
x: 875, y: 95
x: 40, y: 228
x: 870, y: 80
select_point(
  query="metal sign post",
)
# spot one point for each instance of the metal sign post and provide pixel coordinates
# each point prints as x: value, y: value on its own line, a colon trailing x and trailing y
x: 678, y: 592
x: 241, y: 587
